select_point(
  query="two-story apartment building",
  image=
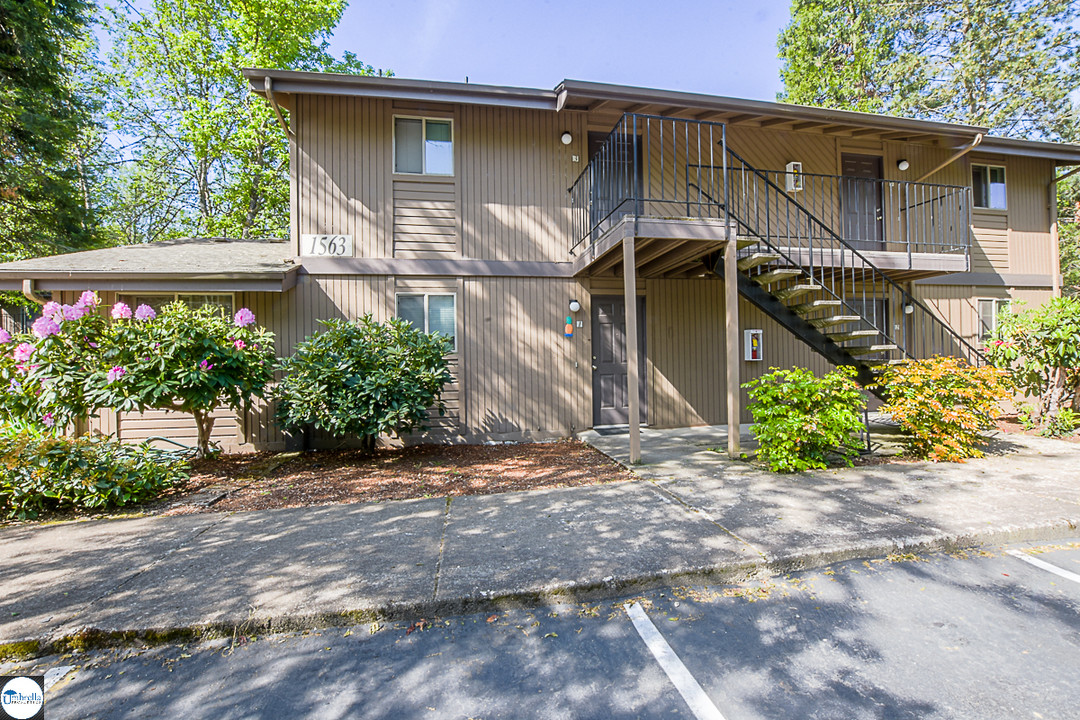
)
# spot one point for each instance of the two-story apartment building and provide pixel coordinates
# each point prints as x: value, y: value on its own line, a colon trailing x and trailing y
x: 542, y: 228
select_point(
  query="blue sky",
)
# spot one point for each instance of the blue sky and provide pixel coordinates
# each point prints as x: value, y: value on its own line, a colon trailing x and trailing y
x: 719, y: 48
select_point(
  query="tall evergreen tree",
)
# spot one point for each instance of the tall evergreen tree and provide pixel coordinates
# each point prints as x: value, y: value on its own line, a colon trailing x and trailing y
x: 1009, y: 65
x: 43, y: 189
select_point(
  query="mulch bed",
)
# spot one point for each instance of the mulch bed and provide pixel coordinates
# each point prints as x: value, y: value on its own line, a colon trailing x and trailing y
x: 1010, y: 424
x: 347, y: 476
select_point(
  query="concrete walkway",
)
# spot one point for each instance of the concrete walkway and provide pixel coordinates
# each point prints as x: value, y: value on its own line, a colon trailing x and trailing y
x: 692, y: 516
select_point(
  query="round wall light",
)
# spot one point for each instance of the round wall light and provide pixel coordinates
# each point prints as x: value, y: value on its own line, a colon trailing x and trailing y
x: 903, y: 165
x: 574, y: 306
x: 566, y: 138
x: 908, y: 309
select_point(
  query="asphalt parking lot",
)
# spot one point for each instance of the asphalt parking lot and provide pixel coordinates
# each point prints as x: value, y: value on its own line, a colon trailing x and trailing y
x: 979, y: 634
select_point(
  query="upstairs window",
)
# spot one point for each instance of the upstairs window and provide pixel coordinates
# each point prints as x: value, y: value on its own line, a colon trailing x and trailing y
x: 989, y: 310
x: 430, y: 313
x: 423, y: 146
x: 988, y: 186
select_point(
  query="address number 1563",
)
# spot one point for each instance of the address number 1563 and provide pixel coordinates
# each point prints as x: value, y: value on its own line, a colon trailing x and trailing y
x: 326, y: 245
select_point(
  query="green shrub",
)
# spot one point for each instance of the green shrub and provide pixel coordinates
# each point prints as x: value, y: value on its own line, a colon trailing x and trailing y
x: 1064, y: 423
x: 800, y: 420
x: 364, y: 378
x: 943, y: 404
x: 1041, y: 350
x: 41, y: 472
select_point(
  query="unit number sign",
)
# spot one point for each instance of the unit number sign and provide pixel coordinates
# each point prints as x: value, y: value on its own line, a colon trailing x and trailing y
x: 326, y: 245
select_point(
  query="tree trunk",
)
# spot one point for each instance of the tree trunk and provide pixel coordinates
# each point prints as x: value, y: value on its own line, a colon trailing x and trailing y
x: 1052, y: 397
x: 204, y: 424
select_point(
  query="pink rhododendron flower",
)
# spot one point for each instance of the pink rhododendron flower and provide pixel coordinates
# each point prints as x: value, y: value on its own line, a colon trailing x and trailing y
x: 44, y: 326
x: 120, y: 311
x: 5, y: 336
x: 206, y: 365
x: 23, y: 351
x: 145, y: 312
x: 239, y: 345
x: 89, y: 299
x: 52, y: 309
x: 48, y: 419
x: 243, y: 317
x: 74, y: 312
x: 115, y: 373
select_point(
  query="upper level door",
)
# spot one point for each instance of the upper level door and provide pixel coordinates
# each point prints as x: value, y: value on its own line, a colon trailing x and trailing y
x: 861, y: 201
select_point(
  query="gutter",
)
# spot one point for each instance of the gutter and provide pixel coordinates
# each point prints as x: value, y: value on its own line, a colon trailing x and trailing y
x: 1055, y: 240
x: 28, y: 292
x: 268, y: 87
x: 963, y: 151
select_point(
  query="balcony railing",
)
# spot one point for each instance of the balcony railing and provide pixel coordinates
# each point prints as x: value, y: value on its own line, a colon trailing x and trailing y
x: 669, y: 167
x: 641, y: 170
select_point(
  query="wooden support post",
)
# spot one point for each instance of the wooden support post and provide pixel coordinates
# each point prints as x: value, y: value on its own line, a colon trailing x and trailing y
x: 1055, y: 241
x: 633, y: 381
x: 731, y: 312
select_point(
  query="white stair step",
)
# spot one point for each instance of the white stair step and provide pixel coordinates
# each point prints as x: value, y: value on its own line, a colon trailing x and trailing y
x: 869, y: 349
x: 852, y: 335
x: 796, y: 290
x: 814, y: 305
x: 768, y: 278
x: 752, y: 261
x: 833, y: 320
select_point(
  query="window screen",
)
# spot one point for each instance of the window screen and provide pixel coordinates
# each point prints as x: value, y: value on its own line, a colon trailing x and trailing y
x: 430, y: 313
x: 408, y: 144
x: 438, y: 148
x: 988, y: 186
x: 988, y: 314
x: 441, y: 315
x: 410, y: 308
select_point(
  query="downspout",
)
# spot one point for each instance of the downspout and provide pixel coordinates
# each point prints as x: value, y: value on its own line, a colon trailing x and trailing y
x: 268, y: 87
x: 28, y: 292
x: 1055, y: 242
x: 963, y: 151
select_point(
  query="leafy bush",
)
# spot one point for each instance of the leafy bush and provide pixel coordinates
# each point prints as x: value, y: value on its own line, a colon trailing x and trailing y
x: 42, y: 472
x: 800, y: 419
x: 364, y: 378
x: 943, y: 403
x: 1041, y: 349
x: 1064, y: 423
x: 76, y: 362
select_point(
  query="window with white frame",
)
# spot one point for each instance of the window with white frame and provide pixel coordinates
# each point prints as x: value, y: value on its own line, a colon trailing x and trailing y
x: 192, y: 300
x: 989, y: 310
x: 430, y: 312
x: 423, y: 146
x: 988, y: 186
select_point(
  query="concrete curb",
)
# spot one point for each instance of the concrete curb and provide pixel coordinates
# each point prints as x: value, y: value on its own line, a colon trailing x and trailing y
x: 85, y: 638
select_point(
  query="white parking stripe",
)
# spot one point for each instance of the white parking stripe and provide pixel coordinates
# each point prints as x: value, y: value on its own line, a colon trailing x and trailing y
x: 684, y: 682
x: 1045, y: 565
x: 56, y: 674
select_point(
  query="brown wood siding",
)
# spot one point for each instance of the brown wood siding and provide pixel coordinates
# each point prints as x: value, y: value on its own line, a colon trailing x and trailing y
x: 343, y: 170
x: 686, y: 348
x: 524, y: 378
x: 515, y: 172
x: 425, y: 218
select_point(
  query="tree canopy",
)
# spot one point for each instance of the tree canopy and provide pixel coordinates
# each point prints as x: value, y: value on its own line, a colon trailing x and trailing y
x: 43, y: 204
x: 1009, y: 65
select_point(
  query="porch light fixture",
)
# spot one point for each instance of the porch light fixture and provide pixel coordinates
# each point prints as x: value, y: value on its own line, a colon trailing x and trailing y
x: 574, y: 306
x: 903, y: 165
x: 908, y: 309
x: 566, y: 138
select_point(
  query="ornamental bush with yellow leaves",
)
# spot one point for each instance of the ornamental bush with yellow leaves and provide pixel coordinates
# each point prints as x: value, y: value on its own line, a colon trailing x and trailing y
x: 943, y: 404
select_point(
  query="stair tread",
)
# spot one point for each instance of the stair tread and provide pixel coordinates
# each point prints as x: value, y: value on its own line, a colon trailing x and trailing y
x: 869, y: 349
x: 841, y: 335
x: 833, y: 320
x: 745, y: 242
x: 796, y: 290
x: 813, y: 305
x: 775, y: 275
x: 755, y: 259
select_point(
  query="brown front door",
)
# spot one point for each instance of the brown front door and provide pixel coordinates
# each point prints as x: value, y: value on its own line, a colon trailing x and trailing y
x: 861, y: 201
x: 611, y: 404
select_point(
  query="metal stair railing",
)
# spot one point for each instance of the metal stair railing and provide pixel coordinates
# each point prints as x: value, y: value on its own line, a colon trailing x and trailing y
x: 801, y: 241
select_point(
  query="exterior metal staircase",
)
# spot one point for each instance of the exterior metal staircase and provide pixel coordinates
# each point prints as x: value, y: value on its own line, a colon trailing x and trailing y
x: 816, y: 284
x: 806, y: 251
